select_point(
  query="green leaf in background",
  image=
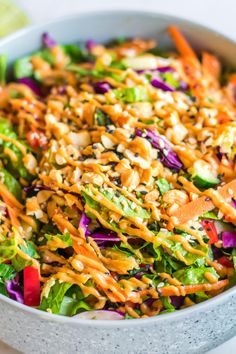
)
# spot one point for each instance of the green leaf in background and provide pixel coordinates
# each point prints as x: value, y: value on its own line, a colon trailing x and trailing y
x: 3, y: 68
x: 23, y: 67
x: 11, y: 17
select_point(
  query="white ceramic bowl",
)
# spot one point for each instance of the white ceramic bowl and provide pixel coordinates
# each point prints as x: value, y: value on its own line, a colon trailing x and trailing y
x: 193, y: 330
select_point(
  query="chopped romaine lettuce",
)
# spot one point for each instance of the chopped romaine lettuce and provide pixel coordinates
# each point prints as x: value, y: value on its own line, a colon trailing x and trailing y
x: 163, y: 185
x: 127, y: 207
x: 53, y: 301
x: 7, y: 272
x: 131, y: 94
x: 101, y: 118
x: 19, y: 262
x: 23, y: 67
x: 11, y: 183
x: 8, y: 249
x: 70, y: 306
x: 61, y: 241
x: 190, y: 275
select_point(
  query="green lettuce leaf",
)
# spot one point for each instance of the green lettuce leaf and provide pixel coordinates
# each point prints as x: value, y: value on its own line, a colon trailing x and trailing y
x: 11, y: 183
x: 101, y: 118
x: 191, y: 258
x: 64, y: 239
x: 70, y: 306
x: 8, y: 249
x: 127, y: 207
x: 192, y: 276
x: 163, y: 185
x: 131, y: 94
x: 20, y: 263
x: 55, y: 297
x: 7, y: 272
x: 16, y: 168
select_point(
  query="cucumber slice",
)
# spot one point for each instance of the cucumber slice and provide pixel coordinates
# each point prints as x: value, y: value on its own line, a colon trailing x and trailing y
x: 202, y: 176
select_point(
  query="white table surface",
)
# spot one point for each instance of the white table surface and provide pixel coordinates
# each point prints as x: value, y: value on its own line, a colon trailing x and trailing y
x: 218, y: 14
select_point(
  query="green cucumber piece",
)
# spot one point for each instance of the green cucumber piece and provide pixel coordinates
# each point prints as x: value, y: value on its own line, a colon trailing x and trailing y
x: 202, y: 177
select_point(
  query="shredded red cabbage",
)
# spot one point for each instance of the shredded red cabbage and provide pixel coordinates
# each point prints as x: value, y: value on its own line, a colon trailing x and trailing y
x: 14, y: 290
x: 90, y: 44
x: 162, y: 69
x: 183, y: 86
x: 101, y: 87
x: 229, y: 239
x: 32, y: 188
x: 104, y: 236
x: 217, y: 252
x: 177, y: 301
x: 220, y: 154
x: 48, y: 42
x: 168, y: 157
x: 233, y: 203
x: 84, y: 223
x: 32, y: 84
x: 158, y: 83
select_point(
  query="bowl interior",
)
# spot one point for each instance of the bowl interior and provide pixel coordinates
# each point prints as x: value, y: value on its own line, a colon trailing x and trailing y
x: 103, y: 26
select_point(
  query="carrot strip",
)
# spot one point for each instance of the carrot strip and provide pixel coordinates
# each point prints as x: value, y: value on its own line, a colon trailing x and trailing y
x: 203, y: 204
x: 181, y: 43
x: 11, y: 212
x: 211, y: 64
x: 11, y: 200
x: 191, y: 289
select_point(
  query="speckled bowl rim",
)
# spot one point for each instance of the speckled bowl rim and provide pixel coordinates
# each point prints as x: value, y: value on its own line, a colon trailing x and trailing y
x: 132, y: 322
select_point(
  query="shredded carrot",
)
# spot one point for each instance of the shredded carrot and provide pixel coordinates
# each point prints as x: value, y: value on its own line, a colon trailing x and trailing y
x: 211, y: 64
x: 192, y: 289
x: 203, y: 204
x: 12, y: 201
x: 181, y: 43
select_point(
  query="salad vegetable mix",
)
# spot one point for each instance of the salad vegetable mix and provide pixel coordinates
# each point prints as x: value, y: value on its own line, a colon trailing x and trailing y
x: 117, y: 178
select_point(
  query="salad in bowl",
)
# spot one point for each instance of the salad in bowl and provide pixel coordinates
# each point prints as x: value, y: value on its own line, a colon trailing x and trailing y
x: 117, y: 178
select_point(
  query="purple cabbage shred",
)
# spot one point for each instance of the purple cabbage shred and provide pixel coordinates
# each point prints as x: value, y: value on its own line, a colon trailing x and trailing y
x: 84, y: 223
x: 167, y: 156
x: 90, y: 44
x: 32, y: 188
x: 177, y: 301
x: 158, y: 83
x: 14, y: 290
x: 229, y: 239
x: 48, y: 42
x: 32, y: 84
x: 161, y: 69
x: 101, y: 237
x: 101, y: 87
